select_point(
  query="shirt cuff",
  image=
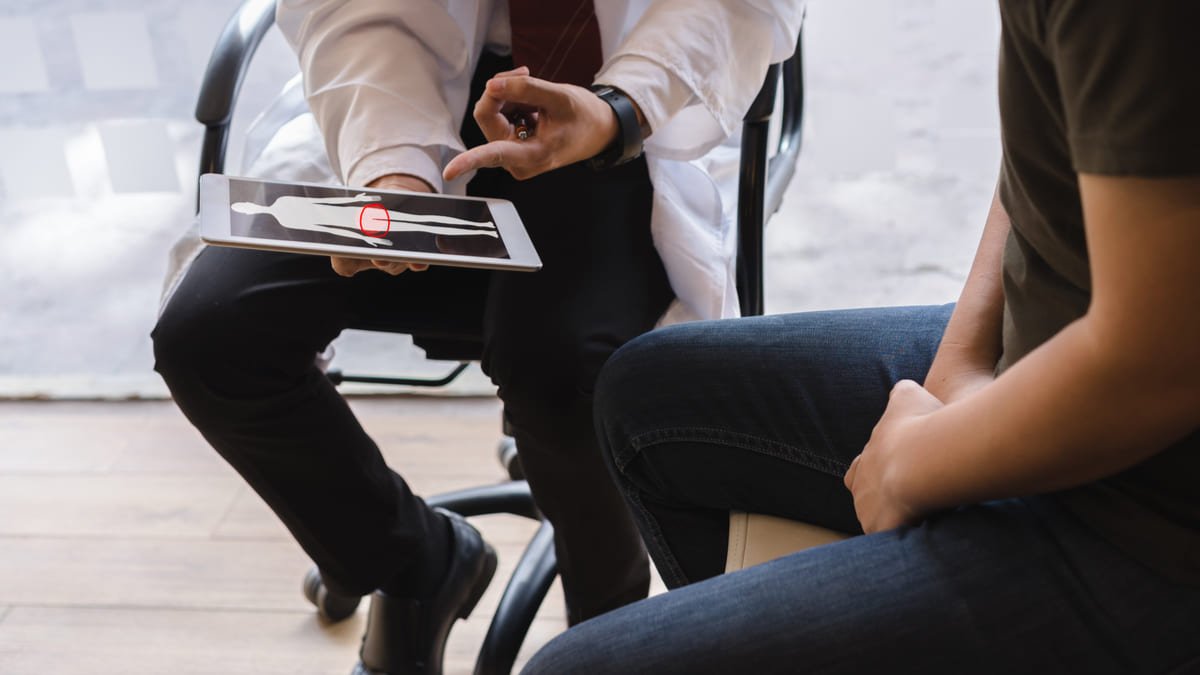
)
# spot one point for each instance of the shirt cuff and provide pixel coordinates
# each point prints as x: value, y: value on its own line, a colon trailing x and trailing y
x: 412, y: 160
x: 657, y: 91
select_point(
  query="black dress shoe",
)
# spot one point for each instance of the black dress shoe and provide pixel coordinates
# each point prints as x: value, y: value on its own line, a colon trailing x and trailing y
x: 406, y: 636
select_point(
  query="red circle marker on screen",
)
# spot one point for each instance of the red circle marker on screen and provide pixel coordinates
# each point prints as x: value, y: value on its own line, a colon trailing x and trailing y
x: 370, y: 217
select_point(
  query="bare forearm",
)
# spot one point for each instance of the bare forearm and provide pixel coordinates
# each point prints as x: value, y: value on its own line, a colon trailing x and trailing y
x: 971, y: 343
x: 1078, y: 408
x: 1105, y: 393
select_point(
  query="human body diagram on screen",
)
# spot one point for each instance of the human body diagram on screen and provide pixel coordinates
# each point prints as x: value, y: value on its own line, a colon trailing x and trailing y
x: 344, y: 217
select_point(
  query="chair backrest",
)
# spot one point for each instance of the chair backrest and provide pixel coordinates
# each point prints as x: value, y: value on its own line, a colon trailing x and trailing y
x: 763, y: 175
x: 227, y: 68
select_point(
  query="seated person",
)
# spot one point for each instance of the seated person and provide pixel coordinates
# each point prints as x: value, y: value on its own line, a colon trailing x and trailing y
x: 390, y: 85
x: 1033, y: 507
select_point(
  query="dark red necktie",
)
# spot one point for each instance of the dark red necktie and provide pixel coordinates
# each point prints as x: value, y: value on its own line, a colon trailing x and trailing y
x: 558, y: 39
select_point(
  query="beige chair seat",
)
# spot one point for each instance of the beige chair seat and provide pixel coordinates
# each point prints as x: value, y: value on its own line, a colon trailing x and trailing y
x: 755, y: 538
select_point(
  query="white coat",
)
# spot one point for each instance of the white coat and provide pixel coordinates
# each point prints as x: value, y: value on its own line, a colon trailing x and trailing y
x: 387, y: 82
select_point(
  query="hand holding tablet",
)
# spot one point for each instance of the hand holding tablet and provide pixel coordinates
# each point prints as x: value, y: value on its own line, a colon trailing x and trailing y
x: 348, y: 267
x: 386, y: 228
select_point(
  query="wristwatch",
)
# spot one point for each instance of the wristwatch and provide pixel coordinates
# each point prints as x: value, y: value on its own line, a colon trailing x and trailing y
x: 627, y: 146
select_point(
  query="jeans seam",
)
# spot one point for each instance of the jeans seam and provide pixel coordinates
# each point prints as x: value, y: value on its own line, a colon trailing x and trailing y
x: 673, y: 574
x: 743, y: 441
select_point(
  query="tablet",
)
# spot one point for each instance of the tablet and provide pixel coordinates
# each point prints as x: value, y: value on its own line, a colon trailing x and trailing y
x: 364, y: 223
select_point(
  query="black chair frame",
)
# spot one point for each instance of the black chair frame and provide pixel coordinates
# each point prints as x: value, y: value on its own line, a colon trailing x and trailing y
x: 764, y: 174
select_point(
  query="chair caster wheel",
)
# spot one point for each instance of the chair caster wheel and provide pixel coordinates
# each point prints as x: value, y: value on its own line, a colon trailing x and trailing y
x: 332, y: 607
x: 507, y: 454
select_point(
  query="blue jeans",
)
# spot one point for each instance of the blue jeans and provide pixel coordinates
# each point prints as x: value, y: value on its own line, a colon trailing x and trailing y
x: 764, y: 415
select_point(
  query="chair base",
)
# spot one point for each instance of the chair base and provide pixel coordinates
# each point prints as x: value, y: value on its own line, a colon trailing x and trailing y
x: 506, y: 452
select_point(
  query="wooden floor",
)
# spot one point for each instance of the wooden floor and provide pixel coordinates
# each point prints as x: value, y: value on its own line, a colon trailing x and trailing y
x: 127, y: 546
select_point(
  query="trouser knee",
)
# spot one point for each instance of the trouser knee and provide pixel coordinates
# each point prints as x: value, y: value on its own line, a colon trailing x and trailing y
x: 220, y: 366
x: 184, y: 342
x: 547, y: 381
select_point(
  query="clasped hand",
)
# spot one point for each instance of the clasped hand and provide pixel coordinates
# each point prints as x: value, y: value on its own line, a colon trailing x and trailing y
x: 882, y: 477
x: 568, y: 124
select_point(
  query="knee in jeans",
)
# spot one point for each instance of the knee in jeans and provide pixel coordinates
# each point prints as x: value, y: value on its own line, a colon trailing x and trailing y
x: 640, y: 366
x: 628, y: 381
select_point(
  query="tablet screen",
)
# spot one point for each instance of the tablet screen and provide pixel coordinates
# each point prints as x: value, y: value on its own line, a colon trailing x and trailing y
x: 363, y: 218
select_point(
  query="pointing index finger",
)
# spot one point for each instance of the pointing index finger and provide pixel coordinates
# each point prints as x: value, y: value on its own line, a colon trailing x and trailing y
x: 510, y: 155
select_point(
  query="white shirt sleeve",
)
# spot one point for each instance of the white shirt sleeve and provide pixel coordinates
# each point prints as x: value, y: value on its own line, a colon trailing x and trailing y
x: 373, y: 75
x: 701, y: 64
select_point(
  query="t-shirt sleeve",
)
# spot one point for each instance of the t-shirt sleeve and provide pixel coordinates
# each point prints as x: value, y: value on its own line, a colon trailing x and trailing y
x: 1128, y: 73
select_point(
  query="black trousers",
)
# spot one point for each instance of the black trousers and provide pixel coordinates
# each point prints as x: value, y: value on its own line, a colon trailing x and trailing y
x: 237, y: 344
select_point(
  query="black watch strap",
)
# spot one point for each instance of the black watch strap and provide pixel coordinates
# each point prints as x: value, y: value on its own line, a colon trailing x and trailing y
x: 628, y: 144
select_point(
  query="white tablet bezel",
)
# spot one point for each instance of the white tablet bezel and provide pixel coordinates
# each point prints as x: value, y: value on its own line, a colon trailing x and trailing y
x: 216, y: 228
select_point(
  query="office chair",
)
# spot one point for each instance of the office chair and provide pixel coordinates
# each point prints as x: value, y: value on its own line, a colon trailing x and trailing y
x: 764, y: 174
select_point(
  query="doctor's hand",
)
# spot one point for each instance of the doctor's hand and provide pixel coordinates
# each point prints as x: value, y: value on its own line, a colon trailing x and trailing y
x: 348, y: 267
x: 880, y: 477
x: 566, y: 123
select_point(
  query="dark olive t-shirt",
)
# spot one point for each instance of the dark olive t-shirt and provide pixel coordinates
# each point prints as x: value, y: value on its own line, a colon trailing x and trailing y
x: 1100, y: 87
